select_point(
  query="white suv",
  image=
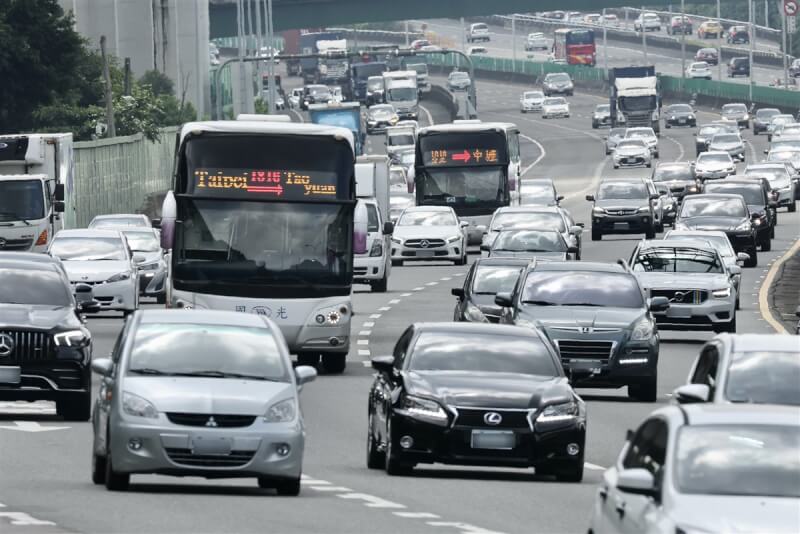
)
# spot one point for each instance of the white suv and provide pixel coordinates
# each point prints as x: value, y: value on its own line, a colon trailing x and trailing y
x: 649, y: 22
x: 478, y: 32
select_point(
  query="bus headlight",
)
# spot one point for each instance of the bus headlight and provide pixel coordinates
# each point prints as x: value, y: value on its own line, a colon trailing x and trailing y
x: 330, y: 316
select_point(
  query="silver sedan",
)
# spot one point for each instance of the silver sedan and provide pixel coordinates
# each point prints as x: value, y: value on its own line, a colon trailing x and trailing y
x: 199, y: 393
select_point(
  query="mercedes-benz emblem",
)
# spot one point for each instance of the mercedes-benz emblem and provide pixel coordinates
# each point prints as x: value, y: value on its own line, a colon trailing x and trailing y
x: 211, y: 422
x: 492, y: 418
x: 6, y: 345
x: 424, y: 243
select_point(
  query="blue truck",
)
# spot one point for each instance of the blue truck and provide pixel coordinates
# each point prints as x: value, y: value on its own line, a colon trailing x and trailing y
x: 343, y: 114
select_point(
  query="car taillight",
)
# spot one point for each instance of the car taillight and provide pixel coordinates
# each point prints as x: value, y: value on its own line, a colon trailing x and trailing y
x: 42, y: 240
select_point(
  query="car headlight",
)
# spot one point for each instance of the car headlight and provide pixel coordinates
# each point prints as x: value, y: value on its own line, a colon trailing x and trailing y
x: 119, y: 277
x: 744, y: 227
x: 454, y: 239
x: 72, y: 338
x: 565, y: 411
x: 152, y: 266
x: 757, y: 222
x: 474, y: 314
x: 377, y: 249
x: 644, y: 209
x: 721, y: 293
x: 424, y: 409
x: 598, y: 211
x: 281, y: 412
x: 643, y: 330
x: 397, y: 240
x: 136, y: 405
x: 693, y: 188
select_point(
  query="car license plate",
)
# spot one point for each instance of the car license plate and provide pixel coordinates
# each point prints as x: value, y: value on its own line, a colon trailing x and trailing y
x: 620, y: 226
x: 10, y: 375
x: 493, y: 439
x: 211, y: 445
x: 681, y: 121
x: 425, y: 253
x: 679, y: 312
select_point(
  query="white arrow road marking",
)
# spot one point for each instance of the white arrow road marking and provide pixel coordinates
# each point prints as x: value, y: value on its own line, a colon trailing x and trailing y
x: 23, y: 519
x: 31, y: 426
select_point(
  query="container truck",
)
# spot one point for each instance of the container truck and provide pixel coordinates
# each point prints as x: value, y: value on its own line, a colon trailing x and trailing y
x: 635, y: 93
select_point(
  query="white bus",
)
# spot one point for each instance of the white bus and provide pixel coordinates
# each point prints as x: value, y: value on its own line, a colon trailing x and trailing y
x: 257, y: 226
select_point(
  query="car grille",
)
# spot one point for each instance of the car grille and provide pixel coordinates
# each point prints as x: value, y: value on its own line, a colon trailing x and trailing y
x: 585, y: 350
x: 234, y: 459
x: 681, y: 296
x: 419, y: 243
x: 474, y: 417
x: 359, y: 271
x: 219, y: 420
x: 677, y: 189
x: 16, y: 244
x: 621, y: 212
x: 29, y: 346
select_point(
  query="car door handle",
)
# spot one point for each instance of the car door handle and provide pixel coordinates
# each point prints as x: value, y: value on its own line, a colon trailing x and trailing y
x: 603, y: 493
x: 620, y: 508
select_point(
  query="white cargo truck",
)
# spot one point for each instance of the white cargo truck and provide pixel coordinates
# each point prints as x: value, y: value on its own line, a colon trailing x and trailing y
x: 402, y: 92
x: 372, y: 189
x: 35, y: 172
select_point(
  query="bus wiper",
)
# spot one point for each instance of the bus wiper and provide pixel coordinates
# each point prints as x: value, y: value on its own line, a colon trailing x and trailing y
x: 15, y: 217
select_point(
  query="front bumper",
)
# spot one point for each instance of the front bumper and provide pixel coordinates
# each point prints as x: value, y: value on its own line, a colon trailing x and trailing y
x: 559, y: 90
x: 153, y: 283
x: 786, y: 197
x: 555, y: 113
x: 715, y: 175
x: 531, y: 107
x: 702, y: 316
x: 116, y: 296
x: 454, y: 444
x: 621, y: 363
x: 171, y: 449
x: 622, y: 224
x: 47, y: 379
x: 445, y: 252
x: 368, y: 268
x: 631, y: 161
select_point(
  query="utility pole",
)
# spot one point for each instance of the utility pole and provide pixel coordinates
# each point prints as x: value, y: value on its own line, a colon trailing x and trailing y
x: 109, y: 94
x: 766, y: 13
x: 240, y: 35
x: 406, y: 33
x: 784, y: 50
x: 259, y: 44
x: 271, y: 62
x: 751, y: 13
x: 644, y: 39
x: 463, y: 36
x: 605, y: 43
x: 513, y: 39
x: 683, y: 42
x: 719, y: 45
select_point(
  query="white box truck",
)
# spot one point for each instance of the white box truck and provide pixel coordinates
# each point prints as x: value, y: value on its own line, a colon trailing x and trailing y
x: 401, y: 91
x: 372, y: 190
x: 35, y: 172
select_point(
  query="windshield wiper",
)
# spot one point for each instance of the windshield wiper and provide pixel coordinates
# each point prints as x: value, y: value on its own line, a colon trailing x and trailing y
x: 149, y: 371
x: 581, y: 304
x: 539, y: 302
x: 223, y: 374
x: 15, y: 217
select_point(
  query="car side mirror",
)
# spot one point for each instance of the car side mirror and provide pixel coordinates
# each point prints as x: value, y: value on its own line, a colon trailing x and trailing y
x: 103, y: 366
x: 383, y: 364
x: 58, y: 206
x: 303, y: 374
x: 654, y: 196
x: 504, y: 300
x: 692, y: 393
x: 742, y: 256
x: 463, y: 224
x: 797, y: 312
x: 637, y: 481
x: 659, y: 304
x: 559, y: 198
x: 735, y: 270
x: 388, y: 228
x: 156, y: 223
x: 590, y: 198
x: 766, y: 151
x: 481, y: 228
x: 576, y: 230
x: 137, y: 259
x: 457, y: 292
x: 59, y: 192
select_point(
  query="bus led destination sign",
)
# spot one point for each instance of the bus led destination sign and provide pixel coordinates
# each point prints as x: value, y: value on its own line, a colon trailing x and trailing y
x: 464, y: 156
x: 276, y: 184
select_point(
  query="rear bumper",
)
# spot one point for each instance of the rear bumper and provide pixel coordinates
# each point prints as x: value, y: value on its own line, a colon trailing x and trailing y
x: 623, y: 224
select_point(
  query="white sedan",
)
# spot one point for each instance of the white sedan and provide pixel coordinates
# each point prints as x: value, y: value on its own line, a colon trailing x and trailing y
x: 531, y: 101
x: 699, y: 70
x: 632, y: 153
x: 429, y: 233
x: 556, y: 106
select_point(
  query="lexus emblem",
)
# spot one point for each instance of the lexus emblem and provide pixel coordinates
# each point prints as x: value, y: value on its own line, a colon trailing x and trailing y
x: 2, y: 243
x: 6, y: 345
x: 211, y: 422
x: 492, y: 418
x: 424, y: 243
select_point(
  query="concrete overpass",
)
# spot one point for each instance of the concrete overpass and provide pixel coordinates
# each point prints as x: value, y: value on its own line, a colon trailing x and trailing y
x: 289, y: 14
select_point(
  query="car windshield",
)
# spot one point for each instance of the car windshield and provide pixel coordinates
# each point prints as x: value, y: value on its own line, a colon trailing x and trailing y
x: 578, y: 288
x: 679, y: 108
x: 783, y: 155
x: 639, y: 134
x: 540, y: 219
x: 558, y: 77
x: 21, y: 200
x: 533, y: 94
x: 34, y: 288
x: 537, y: 194
x: 88, y: 248
x: 734, y: 108
x: 427, y: 218
x: 529, y: 241
x: 142, y: 241
x: 666, y: 173
x: 707, y: 131
x: 494, y: 279
x: 622, y: 191
x: 753, y: 194
x: 767, y: 113
x: 603, y: 108
x: 383, y: 108
x: 481, y: 353
x: 720, y: 242
x: 319, y: 90
x: 708, y: 157
x: 677, y: 259
x: 632, y: 143
x: 558, y: 101
x: 459, y: 75
x: 713, y: 207
x: 726, y: 138
x: 764, y: 377
x: 746, y: 460
x: 207, y: 350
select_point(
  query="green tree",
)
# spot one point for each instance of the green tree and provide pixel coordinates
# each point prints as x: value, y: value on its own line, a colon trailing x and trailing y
x: 159, y: 83
x: 41, y: 57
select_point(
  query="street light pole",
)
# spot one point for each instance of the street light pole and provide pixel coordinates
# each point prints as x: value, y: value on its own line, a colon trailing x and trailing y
x: 406, y: 33
x: 719, y: 44
x: 784, y: 50
x: 644, y: 36
x: 271, y: 60
x: 751, y: 12
x: 683, y: 42
x: 605, y: 43
x: 514, y: 38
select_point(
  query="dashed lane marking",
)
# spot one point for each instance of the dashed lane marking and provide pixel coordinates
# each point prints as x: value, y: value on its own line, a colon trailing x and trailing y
x: 427, y: 114
x: 375, y: 316
x: 542, y: 154
x: 368, y: 324
x: 384, y: 308
x: 394, y: 301
x: 416, y: 515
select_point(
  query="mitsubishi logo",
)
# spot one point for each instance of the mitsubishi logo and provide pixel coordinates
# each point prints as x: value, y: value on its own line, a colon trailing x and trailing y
x: 6, y: 345
x: 586, y: 329
x: 492, y: 418
x: 424, y: 243
x: 211, y: 422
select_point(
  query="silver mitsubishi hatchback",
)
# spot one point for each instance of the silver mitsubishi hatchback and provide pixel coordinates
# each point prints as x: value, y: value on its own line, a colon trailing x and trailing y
x: 199, y: 393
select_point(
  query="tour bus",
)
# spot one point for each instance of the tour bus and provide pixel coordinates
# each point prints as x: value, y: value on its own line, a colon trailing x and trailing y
x: 469, y: 165
x: 574, y: 47
x: 255, y: 225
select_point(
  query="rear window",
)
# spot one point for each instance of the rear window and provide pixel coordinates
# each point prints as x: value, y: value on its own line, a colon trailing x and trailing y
x: 494, y: 279
x: 768, y: 377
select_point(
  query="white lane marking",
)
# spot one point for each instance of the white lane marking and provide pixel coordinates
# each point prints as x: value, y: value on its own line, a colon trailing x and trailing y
x: 364, y: 352
x: 418, y: 289
x: 431, y: 283
x: 23, y: 519
x: 369, y: 324
x: 330, y: 488
x: 763, y: 294
x: 537, y: 160
x: 31, y: 426
x: 304, y: 479
x: 363, y: 342
x: 366, y: 363
x: 445, y: 279
x: 39, y: 407
x: 406, y: 294
x: 427, y: 114
x: 366, y: 333
x: 297, y: 114
x: 394, y: 301
x: 375, y: 316
x: 384, y: 308
x: 752, y: 150
x: 416, y: 515
x: 595, y: 467
x: 464, y: 528
x: 681, y: 151
x: 371, y: 501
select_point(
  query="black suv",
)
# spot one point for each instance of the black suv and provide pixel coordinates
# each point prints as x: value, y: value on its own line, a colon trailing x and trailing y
x: 623, y: 207
x: 486, y: 278
x: 598, y: 318
x: 758, y: 201
x: 739, y: 66
x: 45, y: 350
x: 678, y: 176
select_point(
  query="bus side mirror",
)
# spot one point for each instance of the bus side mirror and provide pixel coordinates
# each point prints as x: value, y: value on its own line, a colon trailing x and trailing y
x: 169, y: 214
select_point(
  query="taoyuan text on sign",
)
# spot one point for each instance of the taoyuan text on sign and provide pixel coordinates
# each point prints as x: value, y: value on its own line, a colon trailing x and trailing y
x: 250, y: 183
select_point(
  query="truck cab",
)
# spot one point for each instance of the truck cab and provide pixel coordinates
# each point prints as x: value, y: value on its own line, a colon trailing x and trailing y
x: 33, y: 171
x: 399, y: 138
x: 372, y: 189
x: 402, y: 92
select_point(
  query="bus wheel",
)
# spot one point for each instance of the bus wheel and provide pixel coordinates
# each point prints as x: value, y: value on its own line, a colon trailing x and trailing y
x: 334, y: 363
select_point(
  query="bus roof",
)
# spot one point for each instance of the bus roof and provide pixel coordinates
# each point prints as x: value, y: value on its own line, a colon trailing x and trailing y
x: 467, y: 127
x: 267, y: 127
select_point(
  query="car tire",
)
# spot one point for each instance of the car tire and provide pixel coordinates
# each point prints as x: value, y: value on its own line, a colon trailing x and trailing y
x: 595, y: 126
x: 772, y: 232
x: 375, y: 458
x: 660, y: 227
x: 569, y: 472
x: 649, y: 164
x: 608, y: 152
x: 765, y: 244
x: 380, y: 286
x: 308, y: 358
x: 393, y: 466
x: 334, y: 364
x: 287, y: 488
x: 616, y: 166
x: 646, y: 391
x: 597, y: 235
x: 667, y: 125
x: 738, y: 303
x: 658, y: 155
x: 753, y: 261
x: 75, y: 406
x: 98, y: 469
x: 792, y: 207
x: 115, y: 481
x: 650, y: 233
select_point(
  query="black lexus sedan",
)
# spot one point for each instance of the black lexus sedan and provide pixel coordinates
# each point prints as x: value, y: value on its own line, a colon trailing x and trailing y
x: 45, y: 350
x: 486, y: 278
x: 679, y: 115
x: 758, y: 201
x: 474, y: 394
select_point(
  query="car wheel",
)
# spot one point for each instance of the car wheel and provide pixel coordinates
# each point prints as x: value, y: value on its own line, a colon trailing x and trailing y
x: 772, y: 232
x: 608, y: 152
x: 649, y: 164
x: 375, y: 458
x: 766, y: 244
x: 595, y: 126
x: 75, y: 407
x: 738, y: 304
x: 597, y: 234
x: 645, y: 391
x: 380, y: 286
x: 115, y: 481
x: 650, y: 233
x: 334, y: 363
x: 569, y: 472
x: 98, y: 469
x: 392, y: 465
x: 753, y: 261
x: 667, y: 125
x: 660, y: 227
x: 161, y: 299
x: 308, y: 358
x: 658, y: 155
x: 287, y: 488
x: 792, y: 207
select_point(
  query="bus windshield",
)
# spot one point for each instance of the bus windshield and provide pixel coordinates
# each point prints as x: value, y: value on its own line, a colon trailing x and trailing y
x: 475, y: 187
x: 580, y: 37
